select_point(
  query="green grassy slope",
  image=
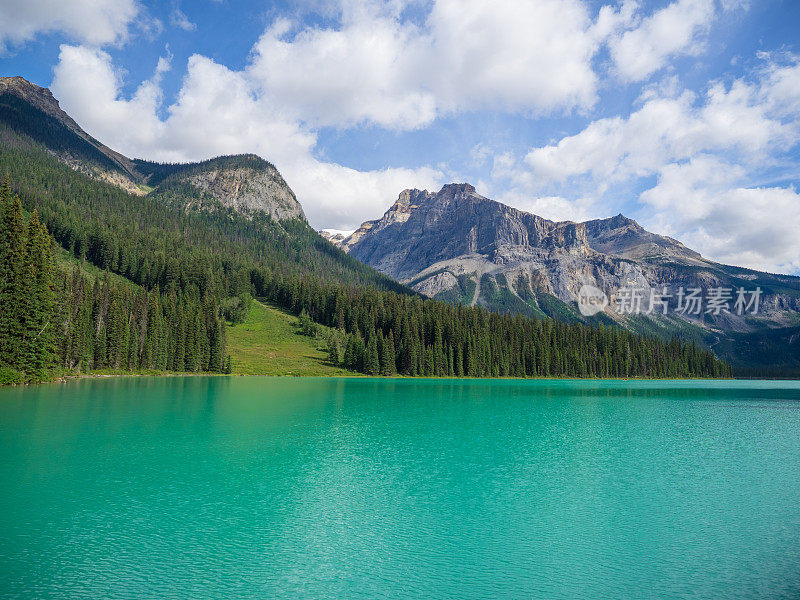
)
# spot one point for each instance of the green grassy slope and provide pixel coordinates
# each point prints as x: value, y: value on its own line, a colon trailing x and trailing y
x: 268, y: 343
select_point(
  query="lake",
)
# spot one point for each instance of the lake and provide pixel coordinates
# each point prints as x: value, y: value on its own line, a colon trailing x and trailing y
x: 234, y: 487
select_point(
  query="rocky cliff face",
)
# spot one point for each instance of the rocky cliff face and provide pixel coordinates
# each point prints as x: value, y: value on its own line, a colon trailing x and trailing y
x: 459, y: 246
x: 248, y: 189
x: 423, y: 229
x: 332, y: 236
x: 245, y: 183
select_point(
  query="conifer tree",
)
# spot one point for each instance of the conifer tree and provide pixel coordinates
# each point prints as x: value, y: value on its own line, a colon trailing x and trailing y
x: 372, y: 364
x: 388, y: 366
x: 12, y: 287
x: 37, y: 300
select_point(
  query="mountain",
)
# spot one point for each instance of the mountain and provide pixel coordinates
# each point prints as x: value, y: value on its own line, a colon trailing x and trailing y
x: 33, y: 111
x: 624, y: 237
x: 245, y: 183
x: 459, y: 246
x: 108, y: 262
x: 240, y: 204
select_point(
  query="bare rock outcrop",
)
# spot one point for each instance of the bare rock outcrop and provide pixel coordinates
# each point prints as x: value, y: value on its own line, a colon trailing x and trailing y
x: 246, y: 189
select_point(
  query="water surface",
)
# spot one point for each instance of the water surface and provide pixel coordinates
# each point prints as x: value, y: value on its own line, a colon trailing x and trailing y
x: 356, y: 488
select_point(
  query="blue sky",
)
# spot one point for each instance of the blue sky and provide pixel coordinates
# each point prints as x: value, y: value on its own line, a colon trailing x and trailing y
x: 684, y: 114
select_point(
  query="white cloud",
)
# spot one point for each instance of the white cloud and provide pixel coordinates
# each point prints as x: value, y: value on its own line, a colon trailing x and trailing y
x: 89, y: 21
x: 177, y: 18
x: 329, y: 77
x: 673, y: 30
x: 708, y: 154
x: 611, y: 22
x: 531, y: 57
x: 218, y: 111
x: 86, y: 82
x: 666, y: 129
x: 703, y: 203
x: 523, y: 195
x: 554, y: 208
x: 343, y: 198
x: 781, y: 91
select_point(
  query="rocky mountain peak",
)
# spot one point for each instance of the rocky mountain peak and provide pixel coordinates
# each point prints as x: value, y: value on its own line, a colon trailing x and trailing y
x: 620, y: 220
x: 423, y: 228
x: 622, y: 236
x: 40, y: 97
x: 452, y: 190
x: 246, y: 183
x: 88, y: 154
x: 411, y: 197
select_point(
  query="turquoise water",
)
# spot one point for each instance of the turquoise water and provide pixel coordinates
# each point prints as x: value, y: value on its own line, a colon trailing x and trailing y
x: 355, y: 488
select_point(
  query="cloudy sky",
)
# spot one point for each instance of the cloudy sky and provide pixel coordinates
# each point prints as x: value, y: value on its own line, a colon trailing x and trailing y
x: 683, y: 114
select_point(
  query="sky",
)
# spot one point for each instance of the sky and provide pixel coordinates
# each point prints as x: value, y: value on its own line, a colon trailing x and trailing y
x: 682, y: 114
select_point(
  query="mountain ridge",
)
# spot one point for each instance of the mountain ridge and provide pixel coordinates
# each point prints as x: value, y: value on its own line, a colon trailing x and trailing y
x: 459, y: 246
x: 596, y: 231
x: 42, y: 98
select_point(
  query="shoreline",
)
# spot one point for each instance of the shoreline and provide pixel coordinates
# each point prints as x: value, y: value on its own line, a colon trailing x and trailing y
x: 86, y: 376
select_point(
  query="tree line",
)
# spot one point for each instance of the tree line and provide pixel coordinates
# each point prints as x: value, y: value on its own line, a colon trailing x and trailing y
x: 53, y: 316
x: 383, y: 333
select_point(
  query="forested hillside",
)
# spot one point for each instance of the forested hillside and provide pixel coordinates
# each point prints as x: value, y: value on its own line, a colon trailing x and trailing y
x: 155, y: 239
x: 59, y: 317
x: 202, y: 259
x: 385, y: 333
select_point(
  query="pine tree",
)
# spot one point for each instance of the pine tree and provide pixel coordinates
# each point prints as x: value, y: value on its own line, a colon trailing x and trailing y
x: 178, y: 328
x: 151, y: 340
x: 12, y: 288
x: 38, y: 300
x: 190, y: 334
x: 388, y: 366
x: 372, y: 365
x: 217, y: 344
x: 116, y: 331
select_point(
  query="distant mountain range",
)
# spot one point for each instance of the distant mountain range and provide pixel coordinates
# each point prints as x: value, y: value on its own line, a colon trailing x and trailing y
x: 459, y: 246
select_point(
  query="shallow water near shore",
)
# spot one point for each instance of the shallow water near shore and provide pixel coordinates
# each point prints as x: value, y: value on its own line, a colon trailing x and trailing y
x: 221, y: 487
